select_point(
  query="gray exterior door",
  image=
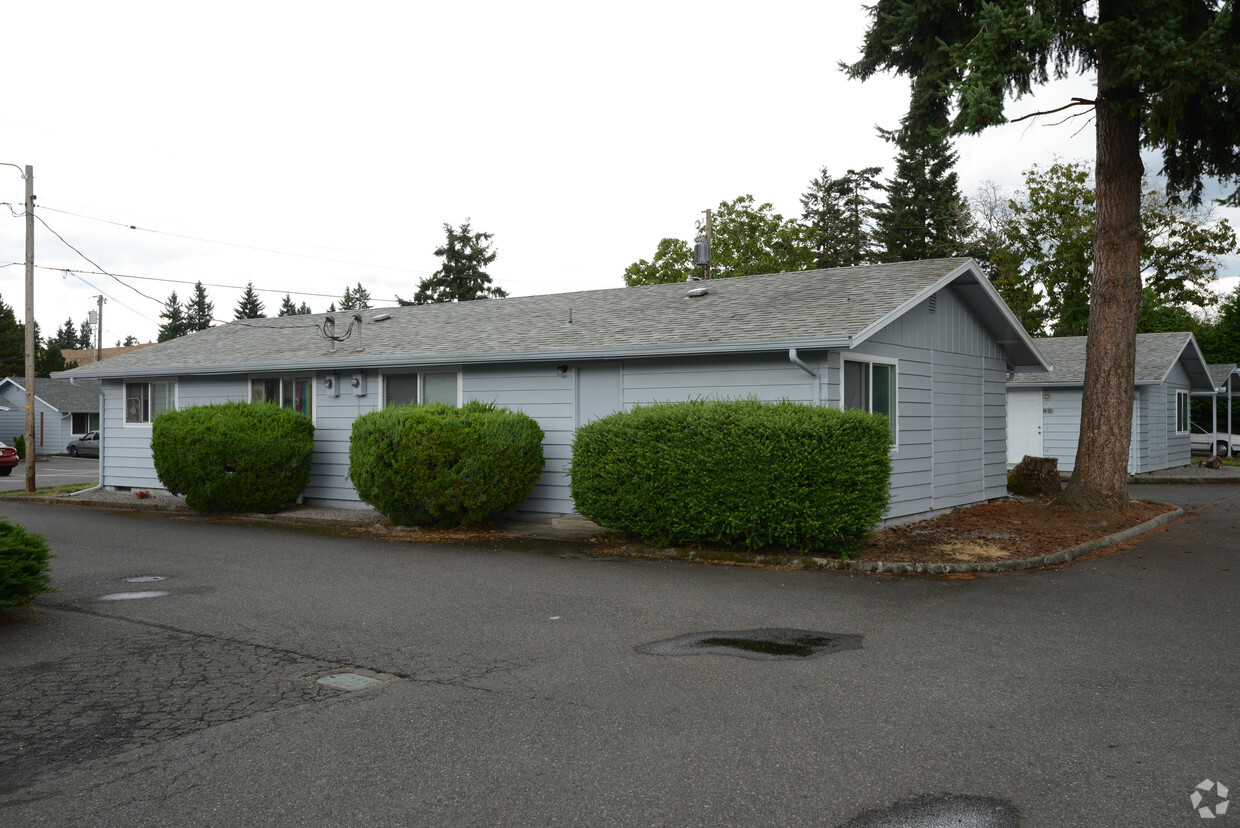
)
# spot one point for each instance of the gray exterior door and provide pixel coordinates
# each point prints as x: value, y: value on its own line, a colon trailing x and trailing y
x: 599, y: 392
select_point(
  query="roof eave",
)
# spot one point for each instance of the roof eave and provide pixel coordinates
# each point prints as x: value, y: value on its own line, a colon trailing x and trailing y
x: 1015, y: 334
x: 426, y: 360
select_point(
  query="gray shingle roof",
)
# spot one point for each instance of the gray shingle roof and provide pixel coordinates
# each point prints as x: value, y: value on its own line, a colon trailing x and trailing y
x: 61, y: 395
x: 1156, y: 354
x: 1220, y: 372
x: 817, y: 308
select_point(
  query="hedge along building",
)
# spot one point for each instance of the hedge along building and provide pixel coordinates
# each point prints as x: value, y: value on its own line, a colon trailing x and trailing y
x: 1044, y: 409
x: 927, y: 343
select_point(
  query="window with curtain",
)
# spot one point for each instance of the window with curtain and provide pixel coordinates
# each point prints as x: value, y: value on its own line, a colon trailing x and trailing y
x: 144, y: 401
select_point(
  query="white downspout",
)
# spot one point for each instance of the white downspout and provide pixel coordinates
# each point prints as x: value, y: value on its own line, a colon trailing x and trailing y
x: 795, y: 360
x: 99, y: 391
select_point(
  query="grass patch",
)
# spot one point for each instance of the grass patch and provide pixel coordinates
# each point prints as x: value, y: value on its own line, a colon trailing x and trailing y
x: 68, y: 488
x: 972, y: 551
x: 1227, y: 461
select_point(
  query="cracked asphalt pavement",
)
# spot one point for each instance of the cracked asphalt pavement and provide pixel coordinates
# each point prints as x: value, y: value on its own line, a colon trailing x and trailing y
x: 513, y: 691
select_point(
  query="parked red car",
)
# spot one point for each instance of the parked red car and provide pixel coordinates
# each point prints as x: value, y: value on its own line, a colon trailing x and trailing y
x: 8, y: 459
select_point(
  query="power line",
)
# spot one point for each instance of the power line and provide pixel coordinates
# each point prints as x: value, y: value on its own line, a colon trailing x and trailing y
x: 188, y: 282
x: 235, y: 244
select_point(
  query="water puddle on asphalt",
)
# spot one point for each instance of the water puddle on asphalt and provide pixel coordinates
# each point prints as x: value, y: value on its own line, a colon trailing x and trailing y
x: 762, y: 644
x: 133, y: 596
x: 940, y: 812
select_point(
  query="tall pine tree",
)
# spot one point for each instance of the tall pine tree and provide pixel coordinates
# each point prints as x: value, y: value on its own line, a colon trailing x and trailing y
x: 838, y: 215
x: 249, y: 307
x: 199, y: 309
x: 175, y: 324
x: 1167, y: 74
x: 462, y: 276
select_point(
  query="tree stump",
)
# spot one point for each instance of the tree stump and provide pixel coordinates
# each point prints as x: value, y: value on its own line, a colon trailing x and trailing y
x: 1212, y: 462
x: 1034, y: 476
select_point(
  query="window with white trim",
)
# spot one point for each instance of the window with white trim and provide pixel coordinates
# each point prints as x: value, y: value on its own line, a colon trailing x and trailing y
x: 421, y: 387
x: 84, y: 421
x: 144, y: 401
x: 871, y: 386
x: 296, y: 393
x: 1181, y: 412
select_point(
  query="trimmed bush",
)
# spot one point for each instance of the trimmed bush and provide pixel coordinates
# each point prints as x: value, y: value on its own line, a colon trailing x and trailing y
x: 233, y: 457
x: 24, y: 568
x: 444, y: 466
x: 740, y: 473
x: 19, y: 443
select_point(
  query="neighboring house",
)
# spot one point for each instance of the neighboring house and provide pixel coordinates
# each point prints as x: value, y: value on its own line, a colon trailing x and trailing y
x: 1217, y: 429
x: 62, y: 412
x: 1044, y: 409
x: 927, y: 343
x: 85, y: 356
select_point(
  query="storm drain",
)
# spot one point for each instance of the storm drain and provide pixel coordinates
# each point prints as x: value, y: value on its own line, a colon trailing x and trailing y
x: 764, y: 645
x: 353, y: 680
x: 941, y: 812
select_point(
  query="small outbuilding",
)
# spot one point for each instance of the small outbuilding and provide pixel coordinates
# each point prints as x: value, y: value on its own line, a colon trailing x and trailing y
x: 62, y: 412
x: 929, y: 344
x: 1044, y: 409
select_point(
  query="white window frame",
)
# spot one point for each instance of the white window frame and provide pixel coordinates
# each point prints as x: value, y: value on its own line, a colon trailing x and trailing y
x: 311, y: 379
x: 92, y: 421
x: 871, y: 361
x: 1182, y: 409
x: 421, y: 392
x: 146, y: 413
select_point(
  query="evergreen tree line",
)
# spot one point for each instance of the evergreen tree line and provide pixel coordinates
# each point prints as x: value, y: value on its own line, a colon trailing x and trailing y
x: 462, y: 276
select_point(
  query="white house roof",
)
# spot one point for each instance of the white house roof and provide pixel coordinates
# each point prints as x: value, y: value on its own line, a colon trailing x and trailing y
x: 1157, y: 354
x: 837, y: 308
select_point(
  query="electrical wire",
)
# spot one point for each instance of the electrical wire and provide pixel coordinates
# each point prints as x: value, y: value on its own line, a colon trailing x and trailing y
x: 235, y: 244
x: 96, y: 264
x: 188, y: 282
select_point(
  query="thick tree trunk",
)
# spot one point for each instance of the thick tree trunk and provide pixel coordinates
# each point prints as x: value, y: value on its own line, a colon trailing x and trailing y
x: 1100, y: 477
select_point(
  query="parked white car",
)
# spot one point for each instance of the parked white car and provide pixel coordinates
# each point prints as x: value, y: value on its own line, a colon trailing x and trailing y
x: 1201, y: 439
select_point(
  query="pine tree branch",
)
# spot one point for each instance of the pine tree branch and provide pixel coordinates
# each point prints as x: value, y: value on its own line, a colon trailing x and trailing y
x: 1075, y: 102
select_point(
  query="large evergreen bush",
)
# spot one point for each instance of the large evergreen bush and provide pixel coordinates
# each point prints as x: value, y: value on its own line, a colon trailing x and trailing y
x: 234, y: 457
x: 739, y: 473
x: 24, y: 568
x: 444, y: 466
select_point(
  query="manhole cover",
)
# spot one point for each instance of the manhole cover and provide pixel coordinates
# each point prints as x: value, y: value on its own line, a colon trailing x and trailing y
x: 941, y: 812
x: 764, y: 645
x: 133, y: 596
x: 349, y: 681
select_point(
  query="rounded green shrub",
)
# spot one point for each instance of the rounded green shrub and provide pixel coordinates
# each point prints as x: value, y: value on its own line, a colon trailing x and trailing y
x: 234, y: 457
x: 740, y: 473
x: 24, y: 568
x: 444, y: 466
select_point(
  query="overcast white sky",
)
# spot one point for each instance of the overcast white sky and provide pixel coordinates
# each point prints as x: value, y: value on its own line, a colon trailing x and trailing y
x: 345, y: 135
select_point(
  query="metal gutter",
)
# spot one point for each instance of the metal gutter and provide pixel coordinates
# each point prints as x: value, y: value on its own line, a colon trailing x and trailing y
x: 795, y: 360
x: 430, y: 361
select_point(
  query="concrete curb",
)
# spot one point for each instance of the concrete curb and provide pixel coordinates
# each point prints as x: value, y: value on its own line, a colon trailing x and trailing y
x: 575, y: 536
x: 1013, y: 564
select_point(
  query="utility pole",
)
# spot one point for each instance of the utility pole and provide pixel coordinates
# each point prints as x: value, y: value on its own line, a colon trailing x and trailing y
x: 708, y: 215
x: 99, y: 330
x: 30, y: 343
x: 701, y: 250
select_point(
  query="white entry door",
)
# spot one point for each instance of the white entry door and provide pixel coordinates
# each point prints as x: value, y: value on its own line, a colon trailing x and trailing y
x: 1024, y: 424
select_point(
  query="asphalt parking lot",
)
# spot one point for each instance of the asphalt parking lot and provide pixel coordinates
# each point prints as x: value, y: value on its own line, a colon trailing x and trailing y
x: 53, y: 471
x: 519, y: 687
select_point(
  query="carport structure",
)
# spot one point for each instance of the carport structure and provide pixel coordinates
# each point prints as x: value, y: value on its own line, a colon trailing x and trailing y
x: 1226, y: 380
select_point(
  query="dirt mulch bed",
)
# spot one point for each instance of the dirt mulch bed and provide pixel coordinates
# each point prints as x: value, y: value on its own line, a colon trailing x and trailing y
x: 1013, y: 528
